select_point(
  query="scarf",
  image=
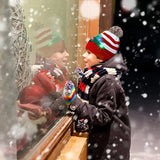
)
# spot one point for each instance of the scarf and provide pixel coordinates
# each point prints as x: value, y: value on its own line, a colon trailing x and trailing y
x: 90, y: 76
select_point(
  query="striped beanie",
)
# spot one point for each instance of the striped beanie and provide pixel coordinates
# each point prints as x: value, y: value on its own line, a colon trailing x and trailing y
x: 48, y: 42
x: 106, y: 44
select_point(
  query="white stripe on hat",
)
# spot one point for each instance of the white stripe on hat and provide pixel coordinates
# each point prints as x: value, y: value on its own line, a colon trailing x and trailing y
x: 43, y: 44
x: 110, y: 41
x: 116, y: 38
x: 44, y: 35
x: 109, y: 48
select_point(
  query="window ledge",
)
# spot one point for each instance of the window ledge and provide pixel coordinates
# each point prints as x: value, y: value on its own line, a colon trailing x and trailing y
x: 48, y: 143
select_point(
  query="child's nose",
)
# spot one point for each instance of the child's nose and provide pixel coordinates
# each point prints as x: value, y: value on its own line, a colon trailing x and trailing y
x: 66, y: 53
x: 85, y: 54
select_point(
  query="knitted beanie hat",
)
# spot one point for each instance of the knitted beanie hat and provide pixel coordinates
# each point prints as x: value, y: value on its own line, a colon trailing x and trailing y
x: 106, y: 44
x: 48, y: 42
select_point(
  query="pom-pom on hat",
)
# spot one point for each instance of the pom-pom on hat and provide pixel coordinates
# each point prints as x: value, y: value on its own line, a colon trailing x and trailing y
x: 48, y: 42
x: 106, y: 44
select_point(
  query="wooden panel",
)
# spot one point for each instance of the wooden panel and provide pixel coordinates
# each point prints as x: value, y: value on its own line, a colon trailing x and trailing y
x: 87, y: 28
x: 75, y: 149
x: 106, y: 16
x: 92, y: 27
x: 56, y: 151
x: 80, y: 134
x: 82, y: 36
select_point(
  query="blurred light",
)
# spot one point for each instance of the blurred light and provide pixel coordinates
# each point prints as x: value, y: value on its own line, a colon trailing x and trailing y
x: 13, y: 3
x: 31, y: 10
x: 128, y: 5
x: 90, y: 9
x: 31, y: 19
x: 69, y: 155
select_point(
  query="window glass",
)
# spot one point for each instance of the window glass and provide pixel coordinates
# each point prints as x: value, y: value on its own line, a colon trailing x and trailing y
x: 8, y: 92
x: 44, y: 44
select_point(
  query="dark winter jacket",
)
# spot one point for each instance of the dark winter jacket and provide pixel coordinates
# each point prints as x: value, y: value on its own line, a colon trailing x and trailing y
x: 107, y: 114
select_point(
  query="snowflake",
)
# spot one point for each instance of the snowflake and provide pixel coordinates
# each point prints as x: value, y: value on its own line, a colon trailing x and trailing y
x: 124, y: 20
x: 108, y: 151
x: 144, y: 23
x: 142, y: 13
x: 132, y: 14
x: 121, y: 157
x: 144, y: 95
x: 95, y: 145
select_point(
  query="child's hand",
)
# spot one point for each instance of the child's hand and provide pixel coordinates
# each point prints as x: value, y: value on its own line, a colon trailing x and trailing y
x: 69, y: 92
x: 79, y: 71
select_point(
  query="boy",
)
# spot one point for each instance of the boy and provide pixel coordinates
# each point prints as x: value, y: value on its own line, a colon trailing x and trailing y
x: 100, y: 101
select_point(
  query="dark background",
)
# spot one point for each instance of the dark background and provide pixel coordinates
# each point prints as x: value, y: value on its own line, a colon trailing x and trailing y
x: 140, y: 47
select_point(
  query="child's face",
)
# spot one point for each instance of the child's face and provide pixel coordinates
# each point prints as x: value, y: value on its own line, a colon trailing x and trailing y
x: 60, y: 58
x: 90, y: 59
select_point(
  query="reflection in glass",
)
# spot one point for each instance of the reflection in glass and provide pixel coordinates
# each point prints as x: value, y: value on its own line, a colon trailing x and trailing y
x: 42, y: 99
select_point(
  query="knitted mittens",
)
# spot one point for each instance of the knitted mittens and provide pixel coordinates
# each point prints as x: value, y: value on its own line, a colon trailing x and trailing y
x: 69, y: 92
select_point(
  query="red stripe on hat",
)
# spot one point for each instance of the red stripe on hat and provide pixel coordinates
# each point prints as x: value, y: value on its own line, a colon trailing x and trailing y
x: 107, y: 35
x: 109, y: 44
x: 101, y: 53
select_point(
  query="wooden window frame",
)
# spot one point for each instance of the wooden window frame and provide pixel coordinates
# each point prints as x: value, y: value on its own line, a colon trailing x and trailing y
x: 50, y: 146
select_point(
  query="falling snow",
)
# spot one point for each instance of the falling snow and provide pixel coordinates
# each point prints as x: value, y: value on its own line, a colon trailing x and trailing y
x: 145, y: 114
x: 142, y: 83
x: 144, y: 95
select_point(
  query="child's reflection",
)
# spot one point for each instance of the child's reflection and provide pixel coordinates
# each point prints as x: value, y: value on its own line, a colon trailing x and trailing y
x: 42, y: 99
